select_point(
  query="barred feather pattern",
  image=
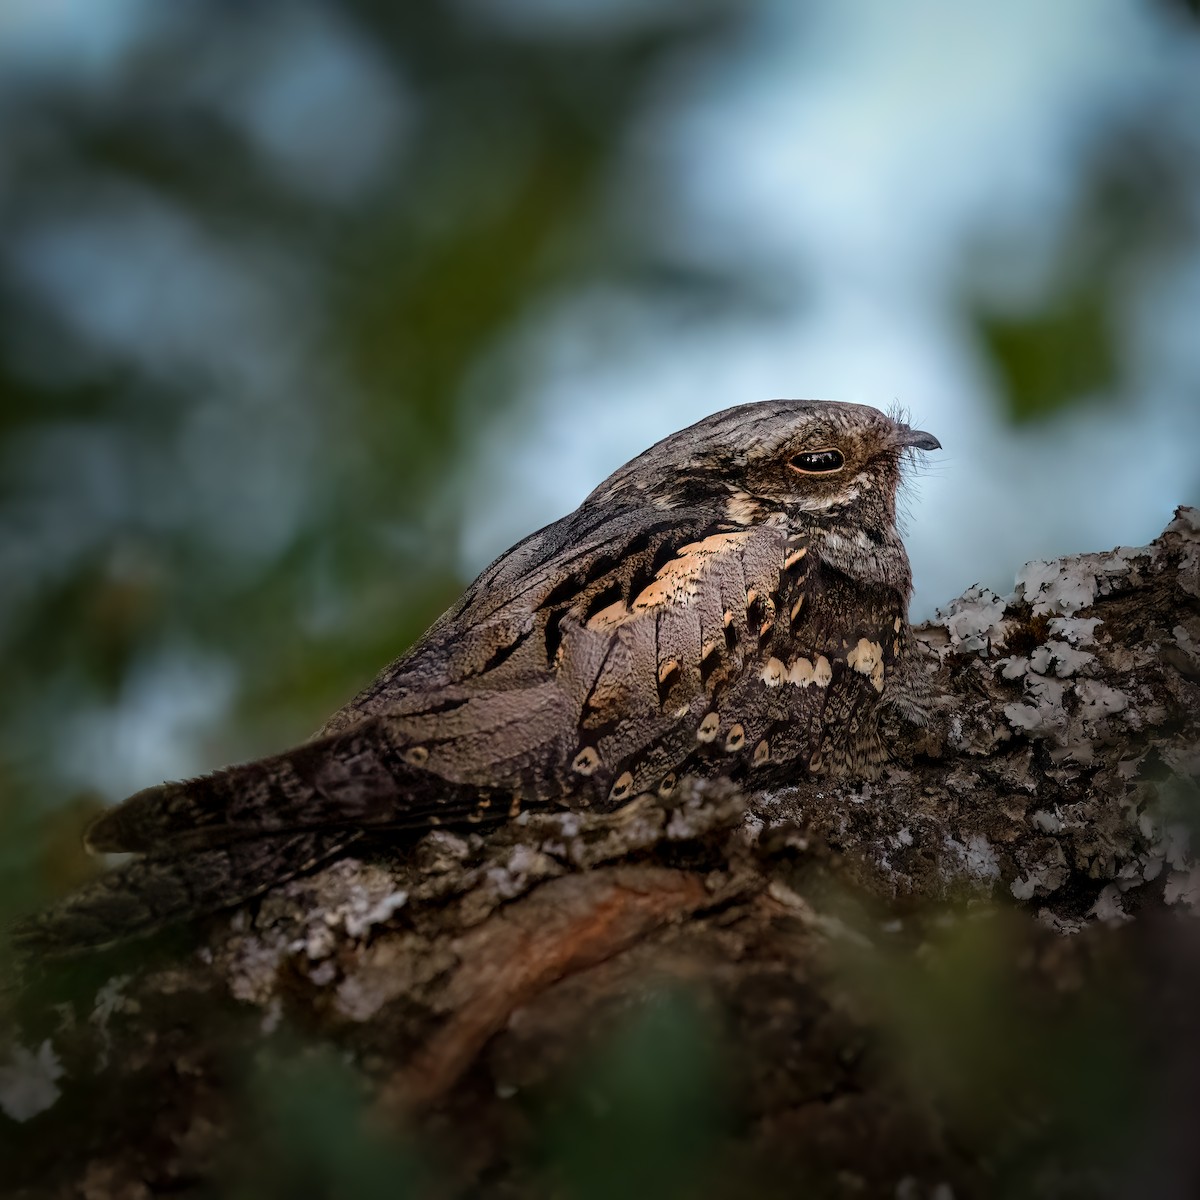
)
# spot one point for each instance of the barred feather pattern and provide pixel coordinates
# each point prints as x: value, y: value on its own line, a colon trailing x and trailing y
x: 714, y: 608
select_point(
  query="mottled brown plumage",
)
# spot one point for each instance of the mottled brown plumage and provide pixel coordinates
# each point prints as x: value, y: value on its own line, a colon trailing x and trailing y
x: 733, y: 601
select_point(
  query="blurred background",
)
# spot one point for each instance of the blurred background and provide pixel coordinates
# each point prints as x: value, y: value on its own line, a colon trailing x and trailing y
x: 308, y: 310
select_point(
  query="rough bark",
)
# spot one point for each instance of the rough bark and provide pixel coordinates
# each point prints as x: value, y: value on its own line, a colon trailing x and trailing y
x: 975, y: 975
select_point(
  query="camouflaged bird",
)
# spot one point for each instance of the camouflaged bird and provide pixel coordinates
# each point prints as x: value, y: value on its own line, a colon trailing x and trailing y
x: 731, y: 602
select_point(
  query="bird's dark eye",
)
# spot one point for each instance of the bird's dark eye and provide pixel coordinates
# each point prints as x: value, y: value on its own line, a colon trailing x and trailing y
x: 813, y: 462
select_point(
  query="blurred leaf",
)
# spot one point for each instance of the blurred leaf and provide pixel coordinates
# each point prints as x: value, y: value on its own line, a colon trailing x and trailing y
x: 231, y: 398
x: 642, y: 1114
x: 1024, y: 1068
x: 1055, y: 357
x: 1065, y: 341
x: 307, y: 1133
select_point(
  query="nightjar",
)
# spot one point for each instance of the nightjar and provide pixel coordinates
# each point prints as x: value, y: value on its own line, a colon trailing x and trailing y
x: 731, y: 602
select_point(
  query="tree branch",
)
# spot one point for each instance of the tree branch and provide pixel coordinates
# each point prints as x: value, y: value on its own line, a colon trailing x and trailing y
x: 837, y: 936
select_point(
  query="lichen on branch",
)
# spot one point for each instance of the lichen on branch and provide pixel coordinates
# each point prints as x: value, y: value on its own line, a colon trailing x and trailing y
x: 1039, y: 803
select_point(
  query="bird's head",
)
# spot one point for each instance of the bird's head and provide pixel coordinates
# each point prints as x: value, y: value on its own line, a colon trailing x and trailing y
x: 836, y: 464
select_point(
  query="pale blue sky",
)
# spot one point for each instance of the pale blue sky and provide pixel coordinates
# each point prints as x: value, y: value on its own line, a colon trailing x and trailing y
x: 857, y: 151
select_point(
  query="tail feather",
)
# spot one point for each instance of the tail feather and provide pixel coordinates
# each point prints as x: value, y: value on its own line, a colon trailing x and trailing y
x: 149, y: 894
x: 356, y: 778
x: 213, y: 842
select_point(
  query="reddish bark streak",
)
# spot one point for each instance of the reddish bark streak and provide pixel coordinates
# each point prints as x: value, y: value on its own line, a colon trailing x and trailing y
x: 563, y: 927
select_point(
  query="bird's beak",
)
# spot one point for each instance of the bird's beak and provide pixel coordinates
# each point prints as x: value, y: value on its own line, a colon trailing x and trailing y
x: 918, y: 439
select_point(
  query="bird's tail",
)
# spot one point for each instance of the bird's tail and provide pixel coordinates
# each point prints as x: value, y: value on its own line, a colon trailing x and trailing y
x: 353, y: 779
x: 210, y: 843
x: 151, y: 893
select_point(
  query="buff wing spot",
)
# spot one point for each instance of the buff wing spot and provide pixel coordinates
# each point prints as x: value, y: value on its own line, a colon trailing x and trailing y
x: 865, y: 657
x: 678, y: 581
x: 801, y: 673
x: 586, y: 761
x: 710, y: 660
x: 622, y: 787
x: 877, y: 676
x: 774, y: 673
x: 610, y: 617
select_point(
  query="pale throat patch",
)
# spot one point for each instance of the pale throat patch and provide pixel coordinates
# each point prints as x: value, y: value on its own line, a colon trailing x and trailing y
x: 861, y: 557
x: 821, y: 503
x: 836, y: 542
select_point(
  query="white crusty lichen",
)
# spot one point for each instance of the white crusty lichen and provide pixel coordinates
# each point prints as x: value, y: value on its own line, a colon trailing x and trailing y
x: 1183, y: 887
x: 1056, y: 587
x: 1043, y: 714
x: 1098, y: 700
x: 516, y: 873
x: 1081, y: 694
x: 1046, y: 821
x: 1186, y: 520
x: 1108, y: 907
x: 365, y: 914
x: 975, y: 857
x: 1013, y: 667
x: 1063, y: 587
x: 1066, y: 712
x: 1079, y: 631
x: 1061, y: 703
x: 1062, y: 654
x: 1187, y: 525
x: 1059, y: 658
x: 358, y: 896
x: 974, y: 621
x: 1043, y: 880
x: 29, y: 1081
x: 110, y: 999
x: 309, y: 917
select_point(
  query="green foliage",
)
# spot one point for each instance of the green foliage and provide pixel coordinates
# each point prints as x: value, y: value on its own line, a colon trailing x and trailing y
x: 1027, y: 1066
x: 1056, y: 357
x: 229, y: 448
x: 641, y: 1115
x: 307, y: 1132
x: 1068, y: 343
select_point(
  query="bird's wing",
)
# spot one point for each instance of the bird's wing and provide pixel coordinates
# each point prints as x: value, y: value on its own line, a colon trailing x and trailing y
x: 573, y: 653
x: 549, y: 681
x: 336, y: 781
x: 644, y: 668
